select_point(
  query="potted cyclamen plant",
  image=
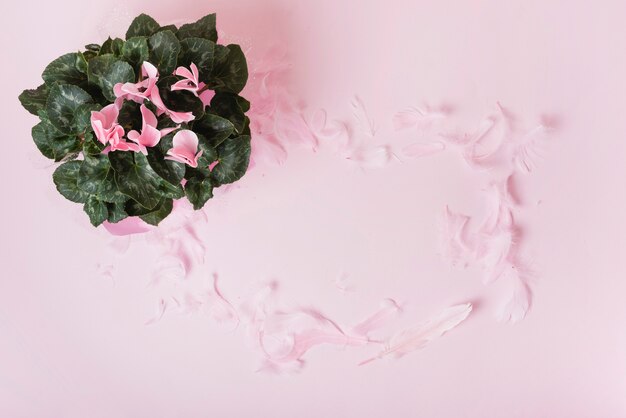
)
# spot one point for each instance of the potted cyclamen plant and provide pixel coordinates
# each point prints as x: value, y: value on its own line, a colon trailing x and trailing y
x: 140, y: 122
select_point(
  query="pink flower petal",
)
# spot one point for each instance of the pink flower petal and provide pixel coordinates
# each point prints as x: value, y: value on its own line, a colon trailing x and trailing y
x: 125, y: 146
x: 150, y: 136
x: 181, y: 117
x: 184, y: 85
x: 133, y: 135
x: 104, y: 123
x: 166, y: 131
x: 185, y: 148
x: 194, y: 71
x: 182, y: 156
x: 96, y: 124
x: 184, y: 72
x: 186, y: 139
x: 110, y: 114
x: 149, y: 70
x: 190, y: 83
x: 148, y: 117
x: 206, y: 97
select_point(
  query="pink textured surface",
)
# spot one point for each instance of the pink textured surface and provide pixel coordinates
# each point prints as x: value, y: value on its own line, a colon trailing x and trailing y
x: 73, y: 339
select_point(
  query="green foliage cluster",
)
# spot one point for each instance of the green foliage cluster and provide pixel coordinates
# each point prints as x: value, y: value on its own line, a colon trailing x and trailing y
x: 119, y: 184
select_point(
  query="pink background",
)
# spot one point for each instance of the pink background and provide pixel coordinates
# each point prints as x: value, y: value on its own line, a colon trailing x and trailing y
x: 73, y: 341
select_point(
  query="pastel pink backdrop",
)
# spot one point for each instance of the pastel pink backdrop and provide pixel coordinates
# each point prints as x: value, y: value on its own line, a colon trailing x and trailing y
x: 73, y: 342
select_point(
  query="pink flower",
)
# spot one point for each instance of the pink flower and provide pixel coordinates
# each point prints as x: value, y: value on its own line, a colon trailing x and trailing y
x: 147, y: 89
x: 119, y: 143
x: 177, y: 117
x: 190, y: 82
x: 140, y: 91
x: 185, y: 148
x: 104, y: 124
x: 150, y: 135
x: 206, y: 97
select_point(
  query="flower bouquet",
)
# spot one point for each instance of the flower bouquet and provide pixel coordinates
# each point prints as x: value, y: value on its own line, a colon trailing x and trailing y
x: 140, y: 122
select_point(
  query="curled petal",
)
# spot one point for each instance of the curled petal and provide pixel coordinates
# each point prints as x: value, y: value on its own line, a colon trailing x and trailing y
x: 149, y: 70
x: 183, y: 72
x: 185, y: 148
x: 149, y: 118
x: 191, y: 80
x: 104, y: 123
x: 166, y: 131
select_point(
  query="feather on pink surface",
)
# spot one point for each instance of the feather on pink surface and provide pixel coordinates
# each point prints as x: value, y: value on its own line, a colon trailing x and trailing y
x: 416, y: 338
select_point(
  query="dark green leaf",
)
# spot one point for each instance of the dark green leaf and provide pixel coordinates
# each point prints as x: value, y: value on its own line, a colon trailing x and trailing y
x: 116, y: 212
x: 91, y: 145
x: 164, y: 49
x: 65, y: 179
x: 93, y: 174
x: 89, y: 55
x: 135, y: 178
x: 171, y: 28
x: 106, y: 71
x: 34, y: 100
x: 230, y: 71
x: 156, y: 216
x: 61, y: 106
x: 209, y: 154
x: 81, y: 63
x: 198, y: 191
x: 43, y: 134
x: 229, y: 106
x: 112, y: 46
x: 52, y: 143
x: 96, y: 93
x: 109, y: 191
x: 214, y: 128
x: 92, y: 47
x: 142, y: 25
x: 234, y: 157
x: 246, y: 127
x: 65, y: 147
x: 135, y: 51
x: 170, y: 190
x: 171, y: 171
x: 243, y: 103
x: 221, y: 53
x: 167, y: 123
x: 166, y: 142
x: 82, y: 116
x: 200, y: 52
x: 65, y: 69
x: 200, y: 172
x: 203, y: 28
x: 96, y: 210
x: 133, y: 208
